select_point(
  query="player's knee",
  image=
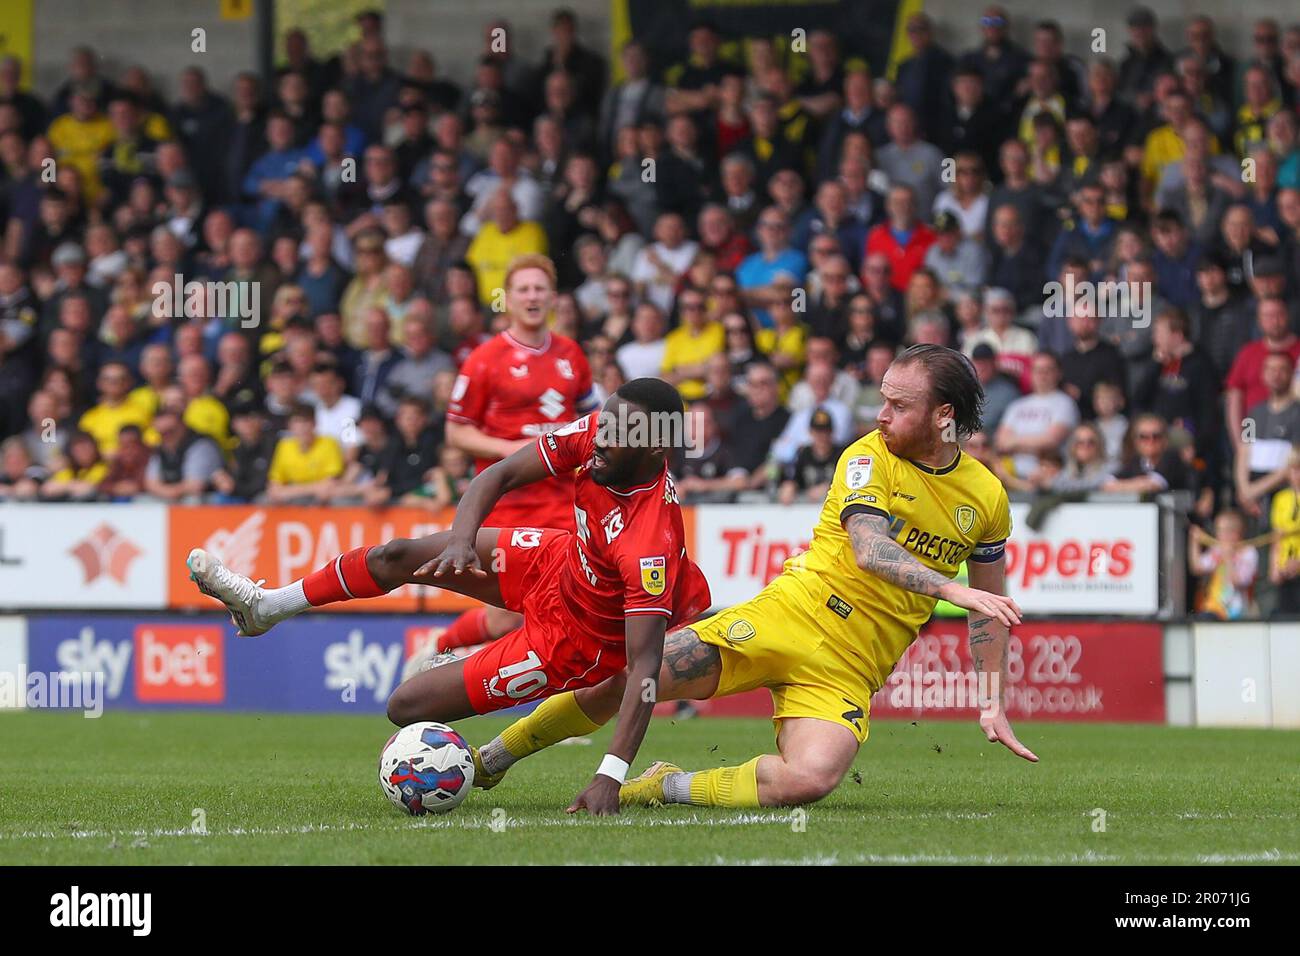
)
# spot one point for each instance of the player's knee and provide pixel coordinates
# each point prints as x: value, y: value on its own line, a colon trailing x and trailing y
x: 394, y: 555
x: 403, y: 705
x: 802, y: 785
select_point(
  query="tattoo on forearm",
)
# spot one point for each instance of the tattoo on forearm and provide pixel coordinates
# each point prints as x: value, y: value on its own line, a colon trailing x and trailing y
x: 689, y: 658
x: 985, y: 631
x: 886, y: 558
x: 978, y: 630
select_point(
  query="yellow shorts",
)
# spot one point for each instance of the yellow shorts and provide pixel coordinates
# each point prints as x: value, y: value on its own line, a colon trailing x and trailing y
x: 773, y: 641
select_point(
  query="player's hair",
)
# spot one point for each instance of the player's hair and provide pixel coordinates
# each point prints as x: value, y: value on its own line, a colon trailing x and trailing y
x: 654, y: 395
x: 953, y: 381
x: 532, y: 260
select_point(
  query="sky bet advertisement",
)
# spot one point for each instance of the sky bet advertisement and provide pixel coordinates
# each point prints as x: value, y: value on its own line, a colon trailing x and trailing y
x: 320, y: 663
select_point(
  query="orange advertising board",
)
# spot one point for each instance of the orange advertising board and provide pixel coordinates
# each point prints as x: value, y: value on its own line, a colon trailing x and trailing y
x: 282, y: 544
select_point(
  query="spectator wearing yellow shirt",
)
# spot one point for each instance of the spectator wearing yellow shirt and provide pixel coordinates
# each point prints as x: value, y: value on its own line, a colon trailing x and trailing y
x: 501, y: 239
x: 157, y: 370
x: 368, y: 288
x: 131, y: 152
x: 306, y: 466
x: 83, y: 469
x: 688, y: 348
x: 114, y: 410
x: 204, y: 412
x: 79, y: 137
x: 785, y: 345
x: 1044, y: 97
x: 1258, y: 106
x: 1165, y: 144
x: 1284, y: 559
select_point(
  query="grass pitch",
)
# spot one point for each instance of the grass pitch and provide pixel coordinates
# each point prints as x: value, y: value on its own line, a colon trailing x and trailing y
x: 132, y: 788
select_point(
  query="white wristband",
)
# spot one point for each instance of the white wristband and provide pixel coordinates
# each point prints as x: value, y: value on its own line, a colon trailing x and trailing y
x: 614, y: 767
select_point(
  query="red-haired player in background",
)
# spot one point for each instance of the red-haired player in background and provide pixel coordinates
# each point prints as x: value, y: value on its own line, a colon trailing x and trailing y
x: 521, y: 383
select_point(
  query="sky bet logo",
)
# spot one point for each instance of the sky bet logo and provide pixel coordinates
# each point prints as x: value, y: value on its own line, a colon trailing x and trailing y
x: 180, y: 664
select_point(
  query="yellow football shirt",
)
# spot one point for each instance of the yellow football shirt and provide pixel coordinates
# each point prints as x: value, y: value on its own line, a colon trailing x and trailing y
x: 147, y: 397
x: 206, y: 415
x: 1285, y: 517
x: 942, y: 517
x: 103, y: 422
x: 492, y: 250
x: 792, y: 342
x: 290, y: 465
x: 681, y: 347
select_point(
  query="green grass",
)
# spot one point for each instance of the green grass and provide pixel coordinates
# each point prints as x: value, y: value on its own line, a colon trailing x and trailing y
x: 278, y: 789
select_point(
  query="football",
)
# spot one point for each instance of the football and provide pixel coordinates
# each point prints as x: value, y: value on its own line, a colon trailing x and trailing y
x: 426, y: 767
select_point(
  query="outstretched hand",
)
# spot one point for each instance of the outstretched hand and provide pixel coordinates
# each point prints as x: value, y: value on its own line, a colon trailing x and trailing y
x: 996, y: 727
x: 997, y: 606
x: 456, y: 558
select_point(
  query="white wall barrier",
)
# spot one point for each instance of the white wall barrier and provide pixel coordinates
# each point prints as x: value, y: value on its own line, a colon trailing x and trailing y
x: 1246, y: 674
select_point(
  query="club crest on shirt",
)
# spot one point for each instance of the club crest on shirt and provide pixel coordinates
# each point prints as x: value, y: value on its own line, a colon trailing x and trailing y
x: 965, y: 516
x: 653, y: 575
x: 564, y: 368
x: 740, y: 631
x: 859, y: 472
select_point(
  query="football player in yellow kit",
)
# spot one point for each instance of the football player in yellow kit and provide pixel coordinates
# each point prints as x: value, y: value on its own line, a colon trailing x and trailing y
x: 905, y: 509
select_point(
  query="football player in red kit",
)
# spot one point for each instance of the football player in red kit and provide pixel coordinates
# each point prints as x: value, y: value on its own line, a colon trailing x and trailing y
x: 596, y: 601
x: 519, y: 384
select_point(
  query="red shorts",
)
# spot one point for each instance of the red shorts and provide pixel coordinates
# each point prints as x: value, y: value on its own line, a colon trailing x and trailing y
x: 550, y: 653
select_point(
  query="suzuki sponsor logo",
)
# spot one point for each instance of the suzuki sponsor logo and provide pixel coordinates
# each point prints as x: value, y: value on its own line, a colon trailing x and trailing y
x: 551, y: 404
x: 180, y: 664
x: 358, y: 663
x: 105, y: 552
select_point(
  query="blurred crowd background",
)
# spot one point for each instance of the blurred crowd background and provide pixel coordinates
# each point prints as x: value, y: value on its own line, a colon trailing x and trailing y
x: 765, y: 232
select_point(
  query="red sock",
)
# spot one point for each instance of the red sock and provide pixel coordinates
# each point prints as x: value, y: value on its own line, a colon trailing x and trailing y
x: 466, y: 631
x: 344, y: 578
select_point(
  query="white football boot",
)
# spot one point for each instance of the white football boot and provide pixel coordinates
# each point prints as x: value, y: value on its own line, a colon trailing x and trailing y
x: 241, y: 596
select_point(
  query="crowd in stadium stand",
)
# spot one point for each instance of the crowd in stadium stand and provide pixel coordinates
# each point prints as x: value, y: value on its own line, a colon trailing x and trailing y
x: 802, y: 220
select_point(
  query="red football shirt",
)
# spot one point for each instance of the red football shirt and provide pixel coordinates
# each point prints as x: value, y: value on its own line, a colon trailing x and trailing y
x: 629, y: 549
x: 1247, y: 372
x: 511, y: 390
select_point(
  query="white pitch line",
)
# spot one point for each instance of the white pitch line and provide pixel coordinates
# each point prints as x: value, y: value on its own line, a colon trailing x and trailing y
x: 436, y: 823
x: 1272, y: 855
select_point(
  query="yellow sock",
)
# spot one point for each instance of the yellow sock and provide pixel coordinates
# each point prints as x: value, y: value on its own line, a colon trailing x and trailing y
x: 726, y: 786
x: 556, y: 718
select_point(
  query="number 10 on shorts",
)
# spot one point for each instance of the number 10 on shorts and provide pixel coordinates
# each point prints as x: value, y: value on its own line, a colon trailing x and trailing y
x: 522, y: 679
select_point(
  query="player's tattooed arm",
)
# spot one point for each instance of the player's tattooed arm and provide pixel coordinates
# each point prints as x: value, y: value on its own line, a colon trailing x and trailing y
x: 878, y: 553
x: 989, y: 640
x: 986, y: 642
